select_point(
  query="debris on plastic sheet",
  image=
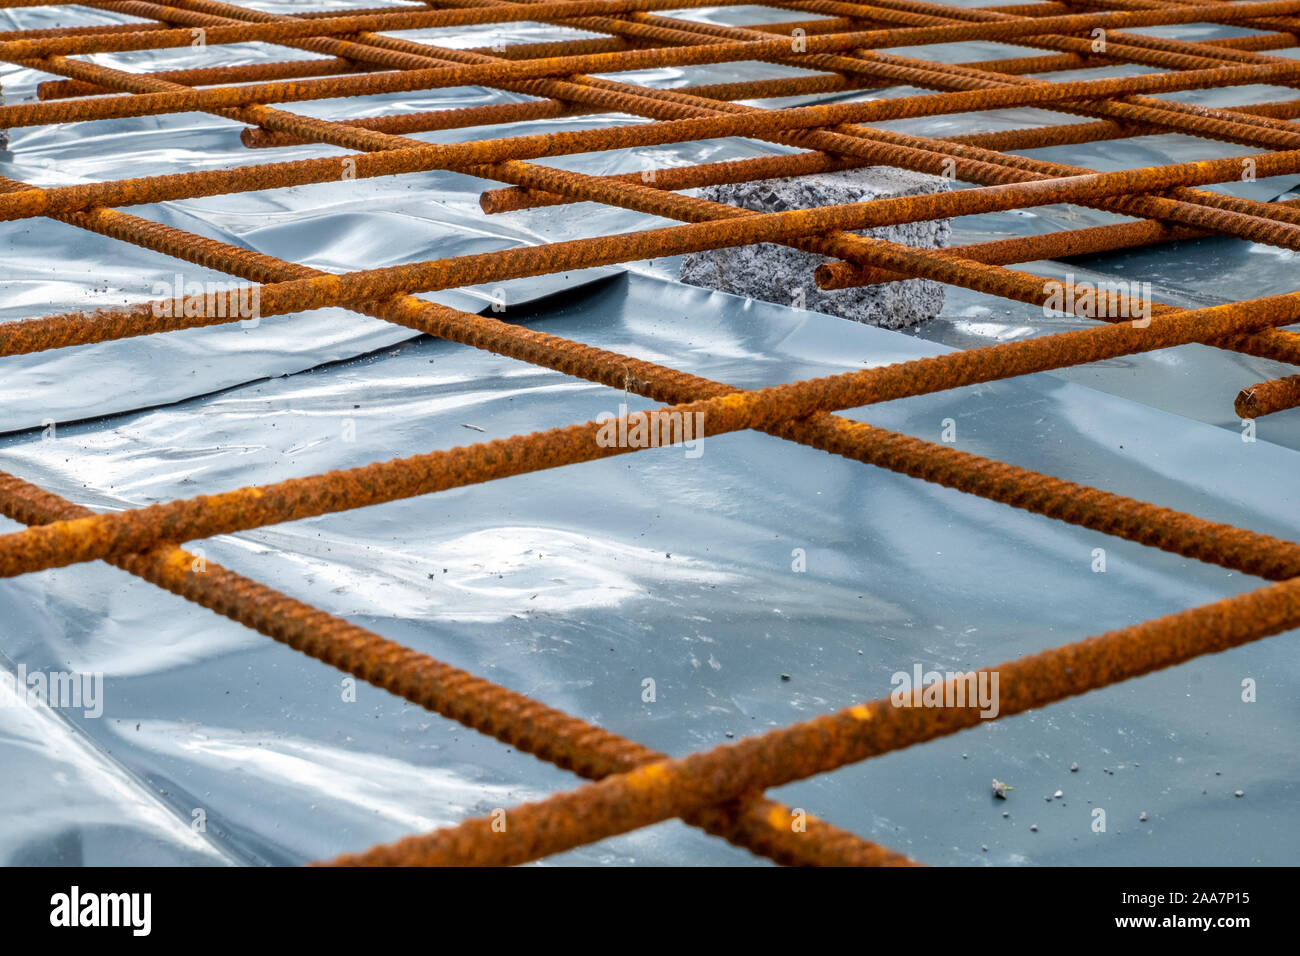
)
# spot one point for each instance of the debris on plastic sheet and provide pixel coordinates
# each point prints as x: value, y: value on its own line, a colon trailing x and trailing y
x: 778, y: 273
x: 457, y: 574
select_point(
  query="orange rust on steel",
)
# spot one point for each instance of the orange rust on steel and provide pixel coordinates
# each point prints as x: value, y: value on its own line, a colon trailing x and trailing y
x: 919, y: 72
x: 513, y: 198
x: 525, y: 724
x: 382, y: 50
x: 395, y: 18
x: 201, y: 13
x: 255, y: 138
x: 1158, y: 527
x: 1196, y: 118
x: 426, y: 157
x: 63, y: 89
x: 220, y: 7
x: 7, y: 35
x: 672, y: 788
x: 1269, y: 347
x: 145, y: 9
x: 250, y: 72
x: 503, y: 200
x: 90, y: 68
x: 941, y: 265
x: 679, y: 177
x: 1031, y: 295
x: 635, y: 101
x: 106, y: 535
x: 1183, y: 534
x: 995, y: 480
x: 1089, y: 507
x: 1289, y: 24
x: 1119, y: 45
x: 637, y: 21
x: 418, y: 19
x: 300, y: 295
x: 1052, y: 245
x: 1265, y: 398
x: 150, y: 10
x: 217, y: 181
x: 210, y: 182
x: 1280, y: 138
x: 501, y: 71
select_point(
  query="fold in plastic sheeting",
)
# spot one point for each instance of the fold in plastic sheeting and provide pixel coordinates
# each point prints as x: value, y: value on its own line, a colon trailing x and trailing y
x: 709, y: 577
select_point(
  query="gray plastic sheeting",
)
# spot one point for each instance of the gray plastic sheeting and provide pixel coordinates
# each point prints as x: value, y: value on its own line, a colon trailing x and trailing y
x: 575, y: 585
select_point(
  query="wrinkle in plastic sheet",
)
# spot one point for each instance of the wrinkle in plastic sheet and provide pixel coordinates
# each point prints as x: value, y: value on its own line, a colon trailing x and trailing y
x: 575, y: 585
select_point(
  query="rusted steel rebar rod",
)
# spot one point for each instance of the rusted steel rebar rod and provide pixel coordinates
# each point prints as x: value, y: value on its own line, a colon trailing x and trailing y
x: 203, y: 76
x: 1273, y: 344
x: 300, y: 295
x: 1157, y: 527
x: 406, y: 80
x: 522, y: 722
x: 1276, y: 346
x: 36, y: 202
x: 393, y: 18
x: 1030, y: 295
x: 1276, y: 136
x: 798, y: 411
x: 1265, y: 398
x: 1231, y: 547
x: 1238, y: 206
x: 7, y: 35
x: 1087, y: 240
x: 107, y: 535
x: 656, y: 792
x: 941, y: 265
x: 918, y: 36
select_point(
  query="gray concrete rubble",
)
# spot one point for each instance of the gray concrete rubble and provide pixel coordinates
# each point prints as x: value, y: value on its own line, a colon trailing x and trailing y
x: 776, y: 273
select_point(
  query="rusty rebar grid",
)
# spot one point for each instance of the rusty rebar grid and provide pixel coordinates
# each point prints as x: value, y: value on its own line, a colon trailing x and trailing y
x: 637, y: 786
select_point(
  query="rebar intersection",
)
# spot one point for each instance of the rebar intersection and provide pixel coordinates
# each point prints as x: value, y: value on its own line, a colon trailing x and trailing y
x: 721, y: 790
